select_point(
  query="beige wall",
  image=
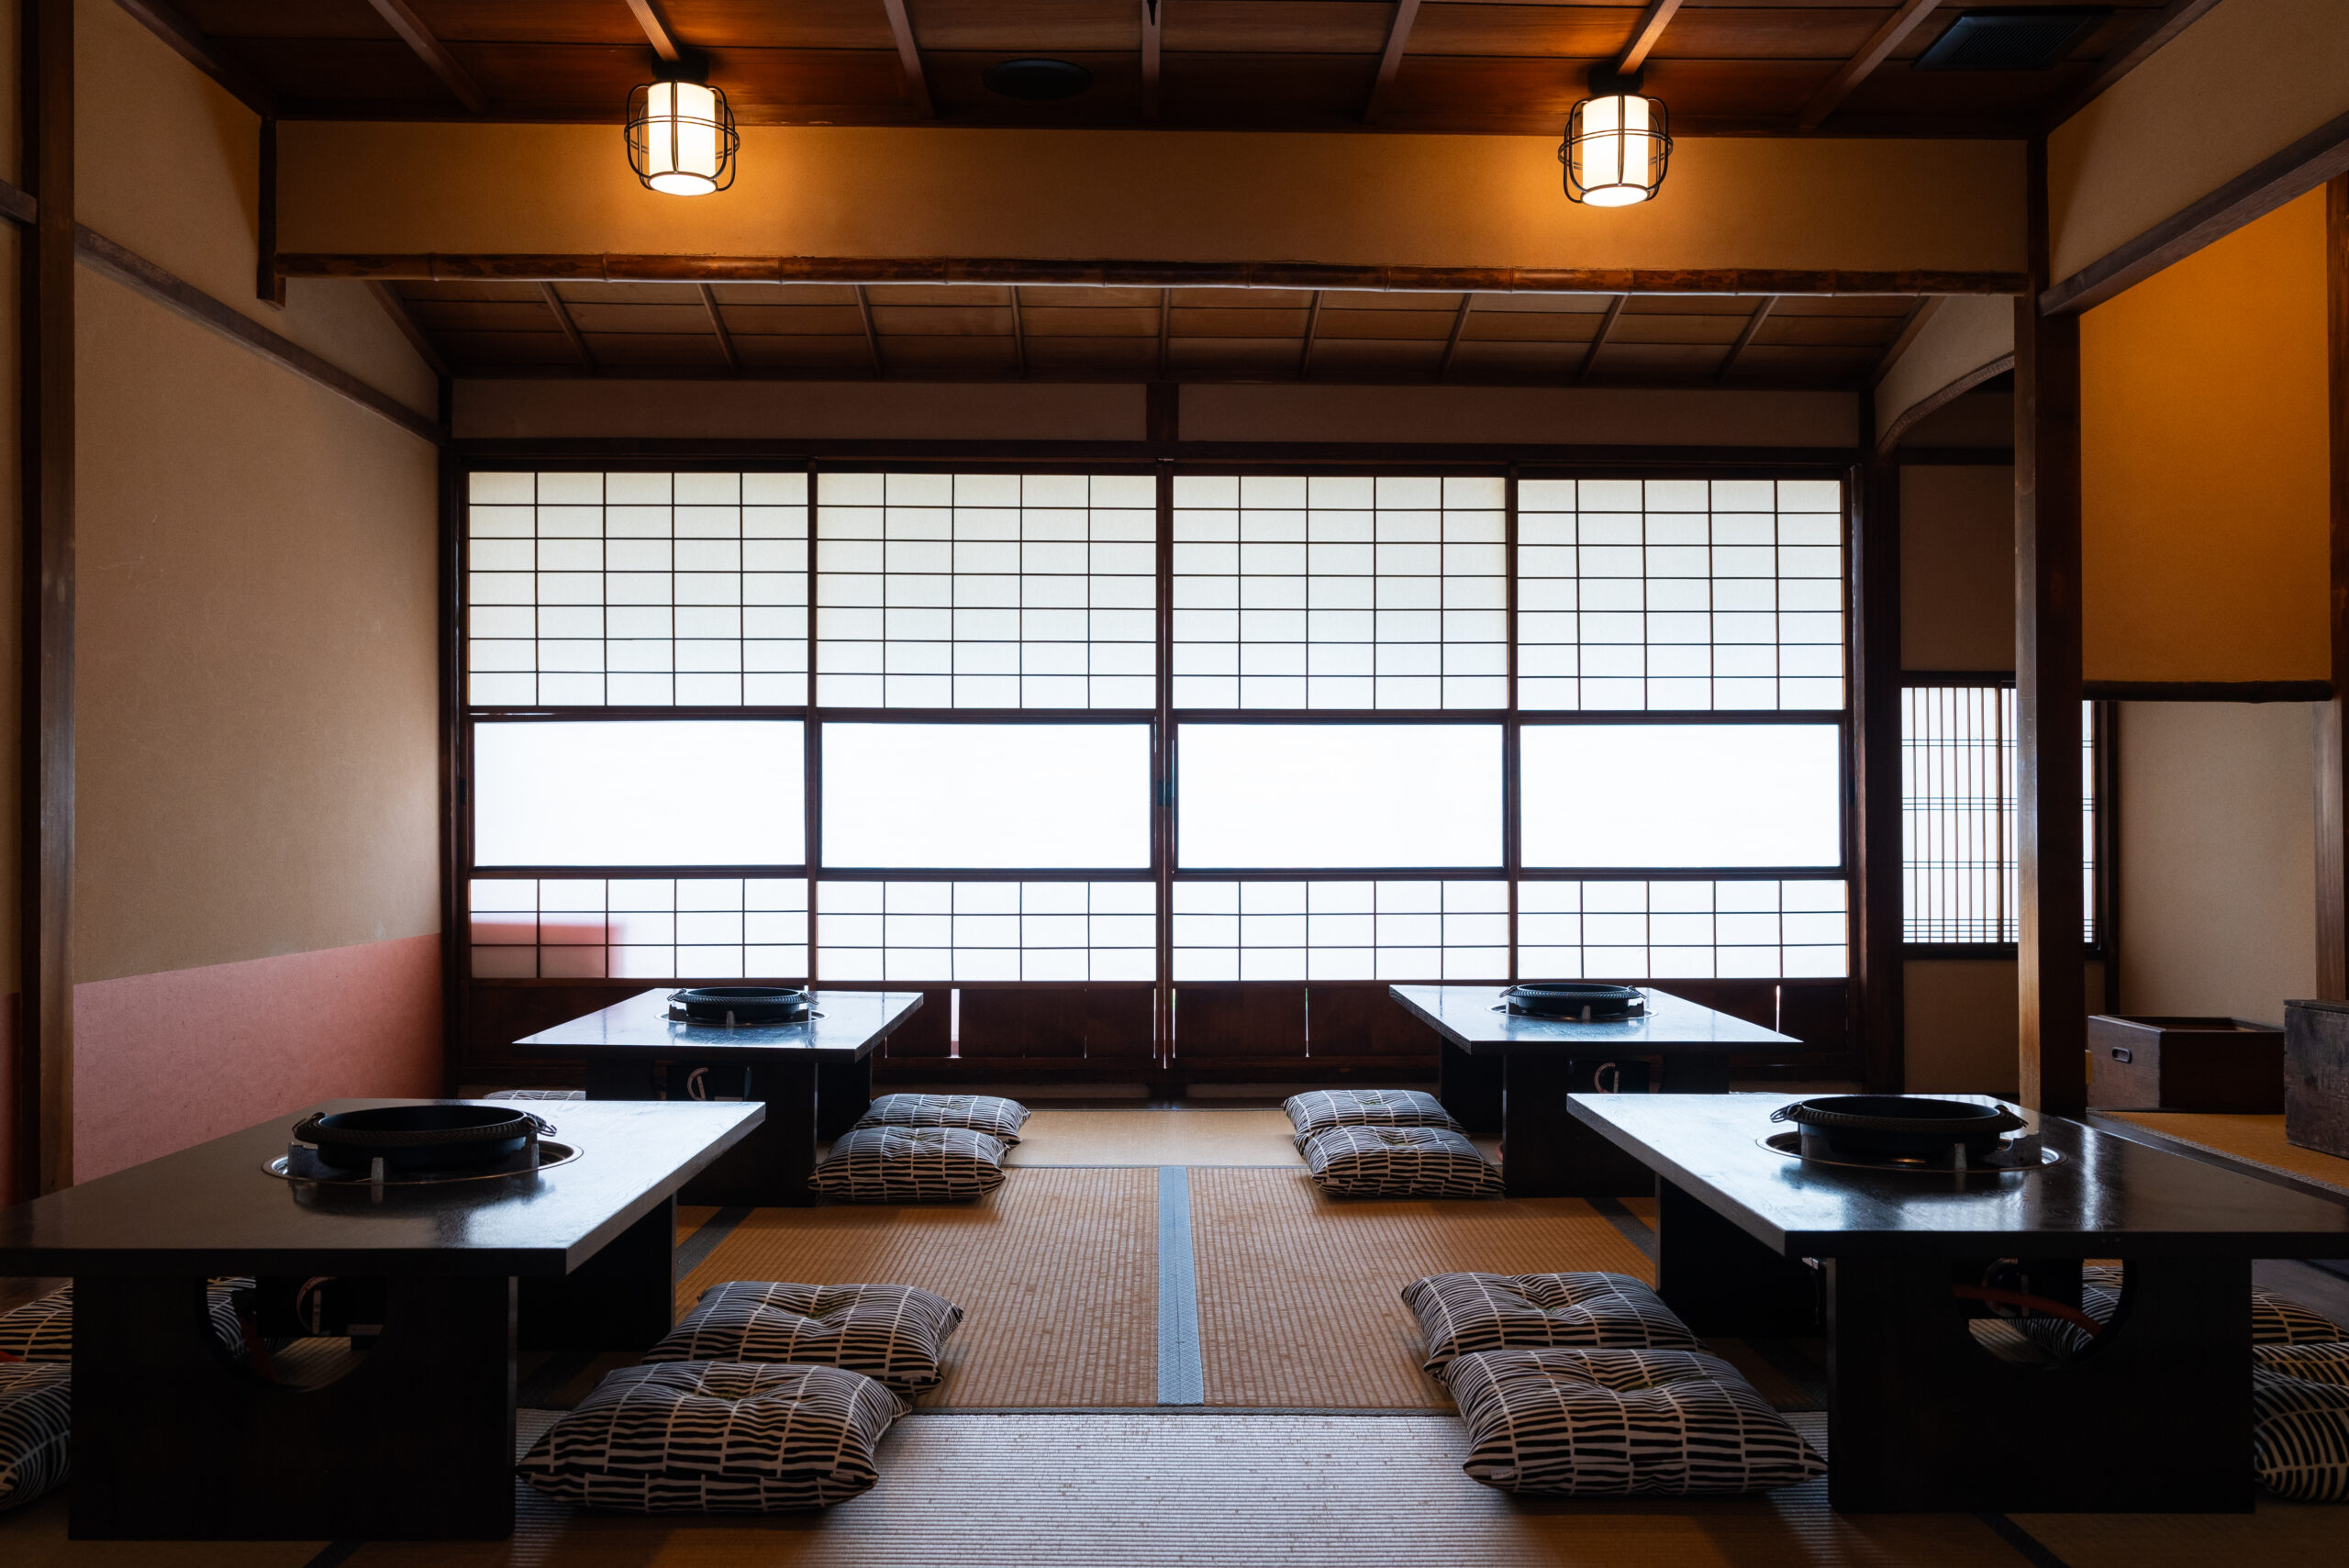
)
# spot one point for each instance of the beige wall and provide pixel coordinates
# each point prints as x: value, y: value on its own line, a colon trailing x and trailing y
x: 2218, y: 857
x: 169, y: 167
x: 1391, y: 200
x: 2204, y: 464
x: 1964, y: 1033
x: 2244, y: 82
x: 1960, y: 337
x: 1957, y: 568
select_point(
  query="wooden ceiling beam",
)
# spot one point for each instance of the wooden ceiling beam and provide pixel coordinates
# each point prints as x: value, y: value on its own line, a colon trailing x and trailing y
x: 1149, y: 53
x: 872, y: 337
x: 1645, y: 37
x: 917, y: 85
x: 401, y: 18
x: 1019, y: 334
x: 1166, y: 332
x: 2156, y: 33
x: 190, y: 43
x: 405, y: 320
x: 1398, y: 38
x: 656, y: 30
x: 1312, y: 326
x: 718, y: 324
x: 1911, y: 325
x: 1856, y: 70
x: 1452, y: 344
x: 1752, y: 325
x: 570, y: 328
x: 1599, y: 338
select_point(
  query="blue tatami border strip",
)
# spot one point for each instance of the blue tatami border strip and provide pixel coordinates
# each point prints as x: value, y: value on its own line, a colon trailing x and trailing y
x: 1180, y: 1379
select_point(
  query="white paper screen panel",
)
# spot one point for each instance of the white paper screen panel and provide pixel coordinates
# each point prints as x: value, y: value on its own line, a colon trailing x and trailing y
x: 907, y: 931
x: 1007, y: 591
x: 1959, y: 868
x: 639, y: 791
x: 636, y: 590
x: 647, y: 928
x: 1679, y: 593
x: 1695, y: 795
x: 1693, y: 929
x: 986, y: 797
x: 1294, y: 591
x: 1310, y: 797
x: 1423, y: 929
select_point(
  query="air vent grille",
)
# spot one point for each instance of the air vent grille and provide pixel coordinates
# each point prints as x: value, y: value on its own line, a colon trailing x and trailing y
x: 2036, y: 39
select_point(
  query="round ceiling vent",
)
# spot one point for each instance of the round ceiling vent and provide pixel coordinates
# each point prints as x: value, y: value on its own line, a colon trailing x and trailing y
x: 1035, y: 81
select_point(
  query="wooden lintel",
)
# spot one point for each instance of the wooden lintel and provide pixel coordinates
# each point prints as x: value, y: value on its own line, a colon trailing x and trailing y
x: 395, y: 306
x: 717, y: 326
x: 1390, y: 60
x: 167, y: 22
x: 175, y: 294
x: 995, y: 271
x: 917, y: 85
x: 1645, y: 36
x: 2156, y: 33
x: 1599, y: 338
x: 1862, y: 66
x: 569, y: 328
x: 656, y: 30
x: 2259, y: 190
x: 401, y: 18
x: 1459, y: 325
x: 1753, y: 324
x: 872, y: 337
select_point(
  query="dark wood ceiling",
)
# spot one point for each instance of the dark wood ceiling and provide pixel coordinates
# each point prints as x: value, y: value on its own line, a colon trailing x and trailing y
x: 1750, y: 66
x: 816, y: 331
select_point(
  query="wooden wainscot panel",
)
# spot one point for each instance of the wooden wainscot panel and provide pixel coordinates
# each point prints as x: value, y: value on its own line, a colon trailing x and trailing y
x: 1256, y: 1021
x: 1364, y: 1021
x: 1020, y: 1021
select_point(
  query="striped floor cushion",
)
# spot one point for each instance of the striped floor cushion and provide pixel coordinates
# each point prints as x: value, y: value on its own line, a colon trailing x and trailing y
x: 999, y: 1118
x: 910, y: 1165
x: 1398, y: 1162
x: 892, y: 1333
x: 42, y: 1330
x: 716, y: 1438
x: 2299, y: 1432
x: 2274, y: 1320
x: 1322, y: 1109
x: 1464, y: 1313
x: 36, y: 1429
x: 1612, y: 1423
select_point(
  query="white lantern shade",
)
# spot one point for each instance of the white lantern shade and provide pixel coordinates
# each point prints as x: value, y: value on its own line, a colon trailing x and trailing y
x: 1616, y: 149
x: 682, y: 139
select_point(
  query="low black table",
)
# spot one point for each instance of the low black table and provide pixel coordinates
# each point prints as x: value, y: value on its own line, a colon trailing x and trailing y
x: 2155, y: 1417
x: 815, y: 1077
x: 174, y: 1441
x: 1509, y: 1073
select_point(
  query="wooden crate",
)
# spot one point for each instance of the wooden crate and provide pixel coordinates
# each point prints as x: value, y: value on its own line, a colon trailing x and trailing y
x: 2184, y: 1065
x: 2316, y: 1076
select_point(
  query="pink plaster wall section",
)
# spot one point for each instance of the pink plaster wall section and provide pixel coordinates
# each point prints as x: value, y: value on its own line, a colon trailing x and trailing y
x: 164, y: 1061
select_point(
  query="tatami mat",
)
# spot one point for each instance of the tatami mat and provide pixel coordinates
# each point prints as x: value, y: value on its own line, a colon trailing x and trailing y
x: 1186, y: 1137
x: 1056, y: 1273
x: 2258, y: 1139
x: 2279, y: 1535
x: 1298, y: 1307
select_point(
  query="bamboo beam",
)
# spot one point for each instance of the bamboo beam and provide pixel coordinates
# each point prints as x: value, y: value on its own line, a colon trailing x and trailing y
x: 401, y: 18
x: 1860, y: 66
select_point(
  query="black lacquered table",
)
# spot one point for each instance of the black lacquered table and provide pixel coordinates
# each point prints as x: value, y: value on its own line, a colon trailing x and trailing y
x: 174, y: 1439
x: 814, y: 1076
x: 2154, y: 1417
x: 1509, y: 1073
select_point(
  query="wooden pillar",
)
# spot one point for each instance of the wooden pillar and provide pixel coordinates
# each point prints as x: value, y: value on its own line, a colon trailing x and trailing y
x: 1875, y: 488
x: 44, y: 1077
x: 2333, y: 723
x: 2047, y: 686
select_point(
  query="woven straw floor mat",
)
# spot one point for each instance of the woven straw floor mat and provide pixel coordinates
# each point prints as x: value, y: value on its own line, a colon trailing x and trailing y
x: 2258, y: 1138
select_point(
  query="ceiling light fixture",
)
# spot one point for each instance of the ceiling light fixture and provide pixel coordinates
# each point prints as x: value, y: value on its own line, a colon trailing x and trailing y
x: 1618, y: 143
x: 681, y: 134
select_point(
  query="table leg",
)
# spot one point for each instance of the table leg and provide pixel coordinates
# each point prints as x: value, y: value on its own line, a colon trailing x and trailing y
x: 1470, y: 1087
x: 769, y: 1167
x: 1545, y: 1152
x: 843, y: 1092
x: 172, y: 1440
x: 1695, y: 1072
x: 623, y: 1298
x: 2155, y: 1418
x: 1721, y: 1281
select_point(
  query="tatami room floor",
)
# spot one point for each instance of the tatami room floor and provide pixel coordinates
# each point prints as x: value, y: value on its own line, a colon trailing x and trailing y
x: 1115, y: 1397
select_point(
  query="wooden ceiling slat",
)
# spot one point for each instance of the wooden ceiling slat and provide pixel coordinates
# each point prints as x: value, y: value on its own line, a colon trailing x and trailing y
x: 1277, y: 27
x: 1196, y: 323
x: 1055, y: 321
x: 958, y: 296
x: 401, y: 18
x: 675, y: 350
x: 1424, y: 325
x: 939, y: 320
x: 1822, y: 331
x: 836, y: 352
x: 795, y: 320
x: 1496, y: 326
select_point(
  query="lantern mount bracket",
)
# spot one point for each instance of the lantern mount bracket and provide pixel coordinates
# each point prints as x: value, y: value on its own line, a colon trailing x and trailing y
x: 1606, y: 82
x: 691, y: 65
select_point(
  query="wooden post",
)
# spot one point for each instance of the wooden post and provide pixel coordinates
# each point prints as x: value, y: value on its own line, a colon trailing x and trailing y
x: 2332, y: 723
x: 44, y: 1075
x: 1875, y: 489
x: 2053, y: 994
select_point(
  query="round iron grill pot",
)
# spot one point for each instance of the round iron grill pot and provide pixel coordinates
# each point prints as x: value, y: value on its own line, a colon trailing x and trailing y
x: 745, y: 1004
x: 1576, y: 1000
x: 1897, y: 1127
x: 420, y: 1137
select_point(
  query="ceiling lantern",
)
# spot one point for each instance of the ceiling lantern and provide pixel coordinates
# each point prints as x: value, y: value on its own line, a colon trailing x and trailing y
x: 681, y: 134
x: 1617, y: 143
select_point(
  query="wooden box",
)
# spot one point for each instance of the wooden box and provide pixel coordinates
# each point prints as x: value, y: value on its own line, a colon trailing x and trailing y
x: 2316, y: 1076
x: 2184, y: 1065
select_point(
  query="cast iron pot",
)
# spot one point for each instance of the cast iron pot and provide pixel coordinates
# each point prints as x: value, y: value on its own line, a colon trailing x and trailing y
x: 1579, y: 1001
x: 747, y: 1005
x: 1895, y: 1127
x: 420, y: 1137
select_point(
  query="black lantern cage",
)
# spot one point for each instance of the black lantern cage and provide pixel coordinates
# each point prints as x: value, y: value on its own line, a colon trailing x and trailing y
x: 725, y: 139
x: 1582, y: 139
